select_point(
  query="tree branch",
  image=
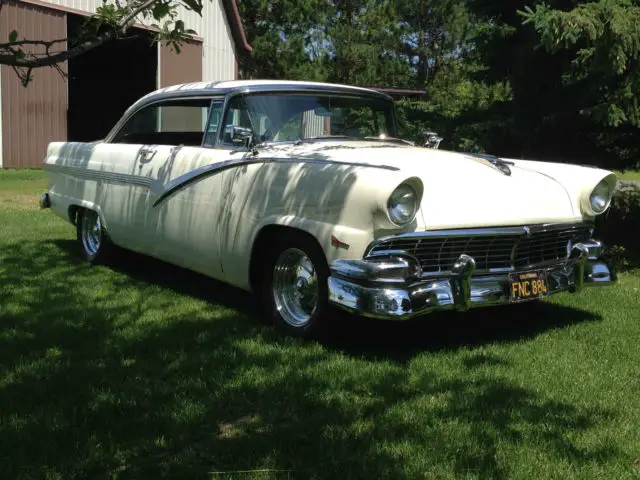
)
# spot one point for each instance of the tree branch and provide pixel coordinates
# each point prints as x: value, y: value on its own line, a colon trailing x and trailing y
x: 19, y: 43
x: 21, y: 61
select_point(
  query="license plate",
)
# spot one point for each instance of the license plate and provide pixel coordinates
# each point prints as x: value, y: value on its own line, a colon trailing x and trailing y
x: 527, y: 286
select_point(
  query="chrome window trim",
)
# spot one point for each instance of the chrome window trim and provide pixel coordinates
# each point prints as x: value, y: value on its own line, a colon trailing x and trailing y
x: 289, y: 88
x: 226, y: 94
x: 346, y: 92
x: 204, y: 134
x: 137, y: 108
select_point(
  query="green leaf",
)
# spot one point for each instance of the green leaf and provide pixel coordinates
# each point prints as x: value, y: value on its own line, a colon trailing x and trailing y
x: 160, y: 10
x: 13, y: 36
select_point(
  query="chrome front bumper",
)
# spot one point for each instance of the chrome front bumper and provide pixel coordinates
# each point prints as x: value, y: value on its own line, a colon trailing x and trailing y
x: 387, y: 288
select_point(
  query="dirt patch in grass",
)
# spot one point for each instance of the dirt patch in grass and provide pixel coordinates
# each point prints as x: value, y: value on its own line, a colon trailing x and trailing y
x: 10, y: 201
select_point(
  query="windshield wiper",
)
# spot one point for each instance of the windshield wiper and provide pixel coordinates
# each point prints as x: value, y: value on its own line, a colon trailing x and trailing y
x: 262, y: 145
x: 254, y: 149
x: 324, y: 137
x: 391, y: 139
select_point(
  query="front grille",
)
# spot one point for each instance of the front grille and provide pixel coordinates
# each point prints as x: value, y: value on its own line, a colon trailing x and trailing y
x: 437, y: 251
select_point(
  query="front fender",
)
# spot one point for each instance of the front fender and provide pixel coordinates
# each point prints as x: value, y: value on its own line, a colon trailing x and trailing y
x: 579, y: 181
x: 341, y: 206
x: 336, y: 241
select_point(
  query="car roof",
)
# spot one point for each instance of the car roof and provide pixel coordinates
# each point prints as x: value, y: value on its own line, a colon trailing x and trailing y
x: 249, y: 86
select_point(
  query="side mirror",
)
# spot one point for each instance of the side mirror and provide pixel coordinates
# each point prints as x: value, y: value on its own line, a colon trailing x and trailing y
x: 241, y: 136
x: 431, y: 140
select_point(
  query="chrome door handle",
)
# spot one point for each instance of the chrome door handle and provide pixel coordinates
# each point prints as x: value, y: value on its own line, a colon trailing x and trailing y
x: 146, y: 154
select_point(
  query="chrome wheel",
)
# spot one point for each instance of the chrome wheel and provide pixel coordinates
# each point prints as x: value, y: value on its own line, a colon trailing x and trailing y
x: 295, y: 287
x: 91, y: 232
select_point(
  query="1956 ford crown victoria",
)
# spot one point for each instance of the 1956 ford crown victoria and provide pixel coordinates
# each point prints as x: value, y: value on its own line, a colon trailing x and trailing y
x: 302, y: 193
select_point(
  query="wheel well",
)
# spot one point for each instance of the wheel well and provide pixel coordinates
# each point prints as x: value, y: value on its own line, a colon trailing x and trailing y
x: 262, y: 244
x: 73, y: 213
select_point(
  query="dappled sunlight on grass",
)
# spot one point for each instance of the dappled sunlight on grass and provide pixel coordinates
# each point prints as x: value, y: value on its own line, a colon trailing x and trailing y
x: 146, y: 370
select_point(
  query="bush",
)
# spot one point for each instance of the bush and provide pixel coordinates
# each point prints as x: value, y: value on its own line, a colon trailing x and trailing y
x: 619, y: 228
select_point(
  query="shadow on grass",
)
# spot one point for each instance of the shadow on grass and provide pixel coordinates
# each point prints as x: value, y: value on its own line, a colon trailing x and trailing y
x: 350, y: 334
x: 103, y: 371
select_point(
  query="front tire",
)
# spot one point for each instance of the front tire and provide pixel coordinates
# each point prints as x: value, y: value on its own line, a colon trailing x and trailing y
x: 295, y: 291
x: 95, y: 247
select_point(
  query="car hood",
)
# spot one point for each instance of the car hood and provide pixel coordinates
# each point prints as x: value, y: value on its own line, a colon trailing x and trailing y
x: 460, y: 190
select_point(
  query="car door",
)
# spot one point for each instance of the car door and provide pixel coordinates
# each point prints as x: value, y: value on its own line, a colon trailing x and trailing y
x: 156, y: 132
x: 183, y: 212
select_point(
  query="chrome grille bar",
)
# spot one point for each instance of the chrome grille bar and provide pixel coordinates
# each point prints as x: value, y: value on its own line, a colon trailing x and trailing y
x: 495, y: 249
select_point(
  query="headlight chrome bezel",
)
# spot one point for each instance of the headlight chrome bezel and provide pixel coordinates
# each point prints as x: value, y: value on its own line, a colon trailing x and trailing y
x: 400, y: 211
x: 600, y: 197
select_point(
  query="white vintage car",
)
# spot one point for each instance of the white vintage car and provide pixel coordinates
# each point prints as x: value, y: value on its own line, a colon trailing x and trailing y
x: 301, y: 193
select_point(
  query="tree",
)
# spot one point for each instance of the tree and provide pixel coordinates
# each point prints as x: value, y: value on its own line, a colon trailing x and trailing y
x: 572, y: 69
x: 287, y: 38
x: 111, y: 22
x: 603, y: 39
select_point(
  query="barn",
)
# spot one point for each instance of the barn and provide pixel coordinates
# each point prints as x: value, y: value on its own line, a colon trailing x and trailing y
x: 98, y: 86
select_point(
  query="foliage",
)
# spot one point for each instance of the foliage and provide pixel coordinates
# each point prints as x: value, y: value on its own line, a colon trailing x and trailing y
x: 571, y: 66
x: 618, y: 227
x: 556, y: 80
x: 604, y: 38
x: 112, y: 21
x: 286, y: 37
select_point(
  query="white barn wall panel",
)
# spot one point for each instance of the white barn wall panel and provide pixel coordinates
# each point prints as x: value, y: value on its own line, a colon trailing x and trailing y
x: 218, y: 49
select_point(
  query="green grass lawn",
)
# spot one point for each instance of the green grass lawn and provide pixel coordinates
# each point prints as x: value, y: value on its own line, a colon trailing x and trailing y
x: 628, y: 174
x: 142, y: 370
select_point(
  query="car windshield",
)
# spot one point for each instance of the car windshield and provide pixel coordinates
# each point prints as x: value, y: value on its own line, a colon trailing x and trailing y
x: 293, y: 117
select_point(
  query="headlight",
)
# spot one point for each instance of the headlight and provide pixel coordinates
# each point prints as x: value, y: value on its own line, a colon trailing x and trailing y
x: 403, y: 204
x: 600, y: 197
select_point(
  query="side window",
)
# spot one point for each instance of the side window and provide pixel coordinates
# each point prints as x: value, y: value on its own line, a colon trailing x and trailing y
x: 213, y: 123
x: 173, y: 122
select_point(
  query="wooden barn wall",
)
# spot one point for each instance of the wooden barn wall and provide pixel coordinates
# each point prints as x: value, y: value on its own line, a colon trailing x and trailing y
x: 175, y: 68
x: 36, y: 115
x: 219, y: 55
x: 183, y: 67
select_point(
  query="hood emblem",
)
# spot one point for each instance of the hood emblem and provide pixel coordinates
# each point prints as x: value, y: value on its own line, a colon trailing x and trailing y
x: 504, y: 168
x: 500, y: 164
x: 527, y: 231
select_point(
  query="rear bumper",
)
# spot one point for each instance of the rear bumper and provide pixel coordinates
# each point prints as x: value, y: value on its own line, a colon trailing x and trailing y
x: 384, y: 288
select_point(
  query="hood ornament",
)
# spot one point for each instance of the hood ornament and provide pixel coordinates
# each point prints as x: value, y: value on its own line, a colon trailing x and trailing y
x: 432, y: 140
x: 502, y: 165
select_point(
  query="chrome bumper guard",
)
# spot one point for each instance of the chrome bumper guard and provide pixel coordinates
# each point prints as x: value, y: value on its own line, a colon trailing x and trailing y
x: 391, y: 286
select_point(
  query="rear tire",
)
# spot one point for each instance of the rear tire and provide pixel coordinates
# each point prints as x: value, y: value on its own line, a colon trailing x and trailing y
x: 294, y: 287
x: 95, y: 246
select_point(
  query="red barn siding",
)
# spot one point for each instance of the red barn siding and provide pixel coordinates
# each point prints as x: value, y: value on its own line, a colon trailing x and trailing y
x: 36, y: 115
x: 183, y: 67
